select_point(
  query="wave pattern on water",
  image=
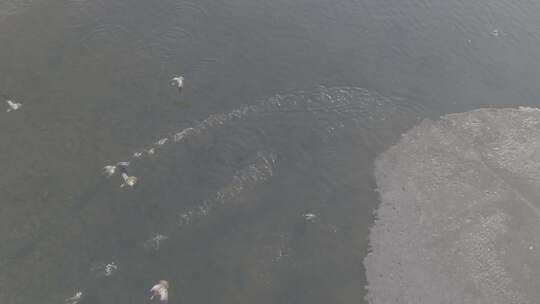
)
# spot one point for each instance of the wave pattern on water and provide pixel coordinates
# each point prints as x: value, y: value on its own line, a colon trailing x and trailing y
x: 13, y: 7
x: 235, y: 154
x: 258, y: 172
x: 330, y: 108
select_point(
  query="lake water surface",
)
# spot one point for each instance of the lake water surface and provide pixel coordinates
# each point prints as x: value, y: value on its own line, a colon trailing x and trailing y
x: 264, y: 190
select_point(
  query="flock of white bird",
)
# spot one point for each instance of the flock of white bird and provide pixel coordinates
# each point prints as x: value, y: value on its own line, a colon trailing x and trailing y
x: 160, y: 291
x: 121, y: 167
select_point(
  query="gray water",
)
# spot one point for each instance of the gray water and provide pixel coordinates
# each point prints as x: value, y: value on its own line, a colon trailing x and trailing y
x: 290, y: 102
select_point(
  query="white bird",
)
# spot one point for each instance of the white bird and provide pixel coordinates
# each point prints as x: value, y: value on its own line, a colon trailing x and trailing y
x: 161, y: 289
x: 110, y: 269
x: 75, y: 299
x: 109, y: 170
x: 178, y: 82
x: 128, y: 180
x: 156, y: 240
x: 13, y: 106
x: 310, y: 217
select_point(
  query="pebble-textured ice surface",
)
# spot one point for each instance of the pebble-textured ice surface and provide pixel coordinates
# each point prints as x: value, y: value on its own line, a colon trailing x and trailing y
x: 459, y: 220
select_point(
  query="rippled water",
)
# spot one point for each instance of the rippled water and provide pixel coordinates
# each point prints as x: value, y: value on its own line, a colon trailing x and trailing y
x: 285, y: 107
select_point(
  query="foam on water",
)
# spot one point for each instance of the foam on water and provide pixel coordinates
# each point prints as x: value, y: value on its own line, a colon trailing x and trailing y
x: 459, y: 212
x: 257, y: 172
x: 333, y: 108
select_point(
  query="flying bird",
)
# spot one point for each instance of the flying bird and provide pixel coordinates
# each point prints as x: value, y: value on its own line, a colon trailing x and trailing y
x: 13, y: 106
x: 161, y: 290
x: 310, y: 217
x: 75, y: 298
x: 110, y: 170
x: 155, y: 241
x: 128, y: 180
x: 178, y: 82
